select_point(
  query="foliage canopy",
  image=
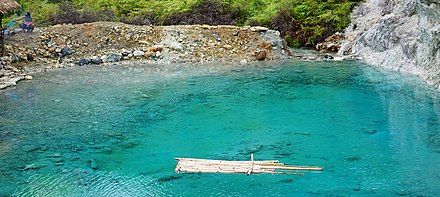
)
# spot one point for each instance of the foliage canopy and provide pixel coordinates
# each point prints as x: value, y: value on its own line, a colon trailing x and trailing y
x: 301, y: 22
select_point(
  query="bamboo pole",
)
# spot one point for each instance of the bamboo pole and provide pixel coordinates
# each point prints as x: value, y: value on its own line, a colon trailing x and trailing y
x: 294, y: 168
x: 224, y: 161
x: 252, y: 165
x: 192, y: 165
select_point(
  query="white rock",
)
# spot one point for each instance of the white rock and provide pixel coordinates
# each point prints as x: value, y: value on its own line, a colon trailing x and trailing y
x: 227, y: 46
x: 259, y: 29
x: 138, y: 53
x: 337, y: 58
x: 104, y: 58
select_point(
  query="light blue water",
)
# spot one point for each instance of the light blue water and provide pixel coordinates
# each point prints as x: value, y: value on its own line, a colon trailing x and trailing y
x: 115, y: 131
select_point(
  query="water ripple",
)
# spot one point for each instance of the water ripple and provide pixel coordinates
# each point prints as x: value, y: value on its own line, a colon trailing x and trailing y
x: 80, y: 182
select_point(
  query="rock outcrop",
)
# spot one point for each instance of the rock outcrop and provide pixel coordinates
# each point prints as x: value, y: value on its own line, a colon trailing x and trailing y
x: 402, y: 35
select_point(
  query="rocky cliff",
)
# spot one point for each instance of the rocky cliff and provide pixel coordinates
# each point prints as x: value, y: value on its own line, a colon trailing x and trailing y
x: 402, y: 35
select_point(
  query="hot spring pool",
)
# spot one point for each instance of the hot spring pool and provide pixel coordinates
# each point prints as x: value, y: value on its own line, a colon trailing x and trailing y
x: 115, y: 130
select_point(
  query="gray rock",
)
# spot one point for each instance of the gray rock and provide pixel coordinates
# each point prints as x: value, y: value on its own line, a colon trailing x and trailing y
x: 409, y: 8
x: 97, y: 61
x: 114, y: 57
x: 84, y: 61
x: 66, y: 51
x: 397, y: 35
x: 154, y: 55
x: 30, y: 57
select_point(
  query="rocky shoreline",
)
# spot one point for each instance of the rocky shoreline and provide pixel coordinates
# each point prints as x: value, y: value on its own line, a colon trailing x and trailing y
x: 403, y: 36
x: 107, y: 43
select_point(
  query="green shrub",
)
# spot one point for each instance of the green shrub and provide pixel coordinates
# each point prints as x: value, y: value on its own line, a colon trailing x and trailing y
x: 301, y: 22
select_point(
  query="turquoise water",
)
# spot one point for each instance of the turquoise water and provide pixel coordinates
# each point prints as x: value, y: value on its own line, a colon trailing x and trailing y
x: 115, y: 131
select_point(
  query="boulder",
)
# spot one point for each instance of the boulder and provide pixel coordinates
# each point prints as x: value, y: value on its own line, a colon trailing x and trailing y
x: 261, y: 55
x: 138, y: 53
x: 84, y: 61
x: 104, y: 58
x: 114, y: 57
x: 97, y: 61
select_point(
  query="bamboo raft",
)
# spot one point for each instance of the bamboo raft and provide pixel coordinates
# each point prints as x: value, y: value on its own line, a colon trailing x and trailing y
x: 192, y: 165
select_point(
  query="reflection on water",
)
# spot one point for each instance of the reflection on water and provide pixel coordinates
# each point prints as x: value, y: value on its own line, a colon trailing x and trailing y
x: 115, y: 131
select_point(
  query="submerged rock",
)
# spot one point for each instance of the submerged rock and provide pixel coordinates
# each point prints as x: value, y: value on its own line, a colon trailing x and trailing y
x: 369, y: 131
x: 352, y: 158
x: 34, y: 166
x: 169, y: 178
x: 254, y: 148
x: 93, y: 164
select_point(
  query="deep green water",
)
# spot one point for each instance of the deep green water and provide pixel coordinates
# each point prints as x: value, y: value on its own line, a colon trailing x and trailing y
x: 115, y: 131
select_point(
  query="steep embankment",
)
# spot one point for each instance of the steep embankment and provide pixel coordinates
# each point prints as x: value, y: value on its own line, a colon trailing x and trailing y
x: 108, y: 42
x: 402, y: 35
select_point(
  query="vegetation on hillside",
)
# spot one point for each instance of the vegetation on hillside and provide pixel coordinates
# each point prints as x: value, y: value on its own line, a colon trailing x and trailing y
x: 301, y: 22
